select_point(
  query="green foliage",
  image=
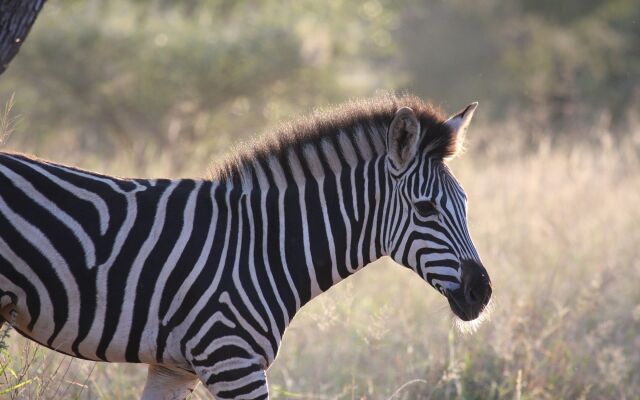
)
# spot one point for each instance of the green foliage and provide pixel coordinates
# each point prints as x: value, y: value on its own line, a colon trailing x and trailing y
x: 572, y: 62
x: 4, y: 335
x: 588, y: 60
x: 104, y: 74
x: 151, y: 74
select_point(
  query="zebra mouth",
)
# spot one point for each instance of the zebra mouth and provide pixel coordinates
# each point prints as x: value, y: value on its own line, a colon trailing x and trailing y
x: 471, y: 298
x: 459, y: 307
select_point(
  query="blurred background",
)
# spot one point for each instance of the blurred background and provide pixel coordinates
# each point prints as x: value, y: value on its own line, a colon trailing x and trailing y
x: 144, y: 76
x: 160, y: 88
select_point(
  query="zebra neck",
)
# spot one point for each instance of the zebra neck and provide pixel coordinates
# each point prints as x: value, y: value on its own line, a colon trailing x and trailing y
x: 311, y: 223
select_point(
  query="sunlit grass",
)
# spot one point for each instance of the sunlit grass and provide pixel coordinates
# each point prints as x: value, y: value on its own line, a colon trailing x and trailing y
x: 7, y: 119
x: 557, y: 228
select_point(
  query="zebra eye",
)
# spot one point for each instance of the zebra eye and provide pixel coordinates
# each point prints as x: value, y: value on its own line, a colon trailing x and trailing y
x: 426, y: 208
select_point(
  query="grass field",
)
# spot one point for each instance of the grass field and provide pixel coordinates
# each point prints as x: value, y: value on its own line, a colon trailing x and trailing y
x: 558, y: 227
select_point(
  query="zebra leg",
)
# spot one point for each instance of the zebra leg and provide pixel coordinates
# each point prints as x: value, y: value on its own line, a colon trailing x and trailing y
x: 241, y: 381
x: 168, y: 384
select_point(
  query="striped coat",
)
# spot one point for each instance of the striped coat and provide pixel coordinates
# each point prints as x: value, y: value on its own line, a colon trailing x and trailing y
x: 199, y: 278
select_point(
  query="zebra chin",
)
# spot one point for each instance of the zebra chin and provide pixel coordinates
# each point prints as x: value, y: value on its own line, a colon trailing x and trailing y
x: 471, y: 299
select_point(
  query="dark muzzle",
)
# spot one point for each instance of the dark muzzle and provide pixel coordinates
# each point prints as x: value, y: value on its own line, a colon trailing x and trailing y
x: 474, y: 293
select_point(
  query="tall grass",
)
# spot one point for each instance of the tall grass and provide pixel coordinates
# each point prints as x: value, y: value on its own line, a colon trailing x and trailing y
x: 558, y: 229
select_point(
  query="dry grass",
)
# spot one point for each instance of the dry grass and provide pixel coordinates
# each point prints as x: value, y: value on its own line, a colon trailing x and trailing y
x: 558, y: 232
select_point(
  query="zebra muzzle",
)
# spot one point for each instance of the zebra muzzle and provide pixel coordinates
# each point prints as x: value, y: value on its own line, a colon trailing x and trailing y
x: 471, y: 299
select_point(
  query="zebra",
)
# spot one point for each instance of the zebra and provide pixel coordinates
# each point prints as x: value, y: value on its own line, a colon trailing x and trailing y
x: 199, y: 278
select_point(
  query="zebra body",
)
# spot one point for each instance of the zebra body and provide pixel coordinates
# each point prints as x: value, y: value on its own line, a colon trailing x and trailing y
x: 200, y: 278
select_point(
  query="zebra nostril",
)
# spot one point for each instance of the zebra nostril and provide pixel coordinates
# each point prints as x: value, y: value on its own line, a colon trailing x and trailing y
x: 477, y: 292
x: 476, y: 284
x: 472, y: 296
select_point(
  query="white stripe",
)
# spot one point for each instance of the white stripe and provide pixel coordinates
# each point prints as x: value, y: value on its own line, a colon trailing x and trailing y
x: 376, y: 211
x: 446, y: 284
x: 90, y: 343
x: 76, y: 229
x: 83, y: 194
x: 204, y: 329
x: 197, y: 269
x: 365, y: 214
x: 281, y: 185
x: 298, y: 176
x: 213, y: 287
x: 315, y: 166
x: 336, y: 168
x: 119, y: 342
x: 351, y: 157
x: 34, y: 236
x: 259, y: 338
x: 445, y: 271
x: 263, y: 184
x: 220, y: 342
x: 236, y: 267
x: 108, y: 180
x: 44, y: 326
x: 239, y: 383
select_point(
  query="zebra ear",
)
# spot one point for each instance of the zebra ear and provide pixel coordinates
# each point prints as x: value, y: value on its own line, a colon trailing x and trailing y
x: 403, y: 138
x: 458, y: 125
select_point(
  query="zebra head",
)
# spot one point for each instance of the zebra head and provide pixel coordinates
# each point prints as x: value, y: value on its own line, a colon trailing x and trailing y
x: 427, y: 216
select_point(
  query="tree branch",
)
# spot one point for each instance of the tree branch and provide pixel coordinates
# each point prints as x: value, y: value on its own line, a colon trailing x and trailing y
x: 16, y: 18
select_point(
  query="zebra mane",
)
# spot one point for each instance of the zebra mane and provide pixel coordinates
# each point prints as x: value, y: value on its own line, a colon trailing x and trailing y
x: 372, y: 115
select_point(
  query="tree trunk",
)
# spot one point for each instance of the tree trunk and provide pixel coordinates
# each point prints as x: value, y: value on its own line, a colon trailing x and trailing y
x: 16, y: 18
